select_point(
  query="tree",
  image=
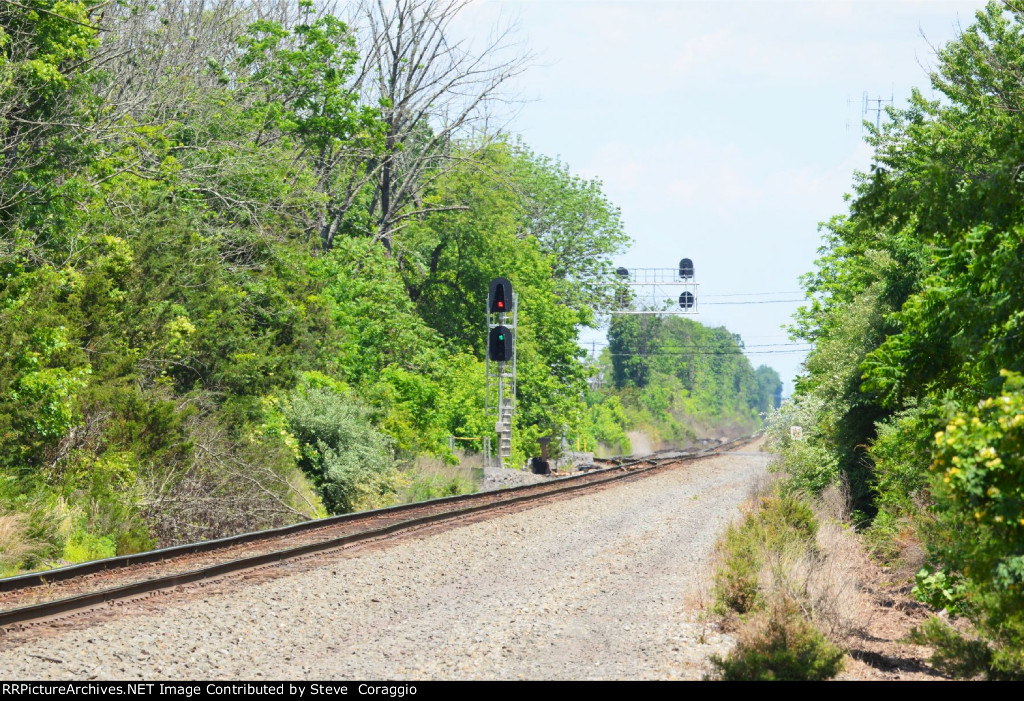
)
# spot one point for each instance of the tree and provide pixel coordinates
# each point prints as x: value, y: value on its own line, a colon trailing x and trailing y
x: 574, y: 224
x: 917, y: 319
x: 432, y: 89
x: 769, y: 389
x: 48, y: 119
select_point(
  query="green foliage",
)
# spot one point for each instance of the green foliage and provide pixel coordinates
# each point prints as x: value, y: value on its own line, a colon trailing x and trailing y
x: 46, y: 114
x: 769, y: 389
x: 780, y: 646
x: 82, y: 547
x: 916, y: 312
x: 607, y: 422
x: 955, y: 654
x: 672, y: 372
x: 777, y: 523
x: 978, y: 487
x: 198, y: 334
x: 900, y: 454
x: 809, y: 462
x: 449, y: 258
x: 939, y: 590
x: 350, y: 461
x: 301, y: 74
x: 736, y: 587
x: 574, y: 225
x: 436, y: 486
x: 17, y: 545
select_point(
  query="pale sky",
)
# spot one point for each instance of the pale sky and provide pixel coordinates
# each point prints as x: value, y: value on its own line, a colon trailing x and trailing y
x: 725, y: 131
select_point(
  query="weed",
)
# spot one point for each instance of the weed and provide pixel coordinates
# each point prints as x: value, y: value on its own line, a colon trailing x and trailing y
x: 780, y: 645
x: 16, y: 543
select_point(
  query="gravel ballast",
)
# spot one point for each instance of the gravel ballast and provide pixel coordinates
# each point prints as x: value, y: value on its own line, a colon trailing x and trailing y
x: 594, y: 587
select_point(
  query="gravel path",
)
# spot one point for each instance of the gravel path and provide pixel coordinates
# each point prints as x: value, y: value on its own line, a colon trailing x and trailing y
x: 594, y: 587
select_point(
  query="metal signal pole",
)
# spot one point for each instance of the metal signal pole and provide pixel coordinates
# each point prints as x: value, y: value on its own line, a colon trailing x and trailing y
x: 500, y: 389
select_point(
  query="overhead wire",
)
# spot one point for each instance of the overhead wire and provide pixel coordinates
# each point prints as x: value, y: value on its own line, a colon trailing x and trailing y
x: 756, y: 294
x: 642, y: 354
x: 757, y: 301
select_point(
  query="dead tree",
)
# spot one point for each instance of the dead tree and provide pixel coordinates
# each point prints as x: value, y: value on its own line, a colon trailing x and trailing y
x: 433, y: 89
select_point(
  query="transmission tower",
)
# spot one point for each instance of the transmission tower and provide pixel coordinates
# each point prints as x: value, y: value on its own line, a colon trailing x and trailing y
x: 879, y: 106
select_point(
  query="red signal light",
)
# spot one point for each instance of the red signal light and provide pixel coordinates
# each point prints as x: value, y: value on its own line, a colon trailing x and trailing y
x: 500, y: 299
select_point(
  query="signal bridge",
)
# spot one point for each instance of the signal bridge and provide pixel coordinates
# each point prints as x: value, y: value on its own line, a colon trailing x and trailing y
x: 662, y: 291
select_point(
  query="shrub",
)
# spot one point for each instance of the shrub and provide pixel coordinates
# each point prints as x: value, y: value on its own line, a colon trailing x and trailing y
x: 16, y: 543
x: 83, y: 546
x: 349, y: 461
x: 978, y: 488
x: 790, y: 574
x: 953, y: 653
x: 777, y: 523
x: 735, y: 580
x: 940, y: 590
x: 809, y: 463
x: 780, y: 645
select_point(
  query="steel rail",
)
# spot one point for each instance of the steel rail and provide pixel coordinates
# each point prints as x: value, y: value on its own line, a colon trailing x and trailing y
x: 564, y: 485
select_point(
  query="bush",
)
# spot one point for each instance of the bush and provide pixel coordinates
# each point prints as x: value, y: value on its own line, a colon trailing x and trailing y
x: 607, y: 422
x: 83, y: 546
x: 940, y: 590
x: 776, y: 524
x: 349, y: 461
x: 809, y: 463
x: 978, y: 486
x: 735, y: 580
x: 790, y: 575
x: 16, y: 544
x: 780, y: 646
x: 953, y: 653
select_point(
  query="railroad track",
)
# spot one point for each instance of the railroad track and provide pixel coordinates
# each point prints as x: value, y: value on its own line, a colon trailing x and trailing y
x: 26, y: 599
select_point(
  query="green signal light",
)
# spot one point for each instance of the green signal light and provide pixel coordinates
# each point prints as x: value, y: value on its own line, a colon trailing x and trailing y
x: 501, y: 337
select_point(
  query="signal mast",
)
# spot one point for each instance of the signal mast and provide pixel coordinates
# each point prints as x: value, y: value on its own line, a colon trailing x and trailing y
x: 500, y: 390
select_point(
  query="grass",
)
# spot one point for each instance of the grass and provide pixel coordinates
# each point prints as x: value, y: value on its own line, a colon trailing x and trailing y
x: 787, y: 578
x: 16, y: 546
x: 432, y: 479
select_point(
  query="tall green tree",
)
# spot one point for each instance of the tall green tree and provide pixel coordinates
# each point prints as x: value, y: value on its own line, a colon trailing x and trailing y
x: 916, y: 314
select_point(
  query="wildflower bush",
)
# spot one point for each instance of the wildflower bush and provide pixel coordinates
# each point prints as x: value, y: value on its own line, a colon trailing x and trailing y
x: 978, y: 486
x: 350, y: 462
x: 808, y: 463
